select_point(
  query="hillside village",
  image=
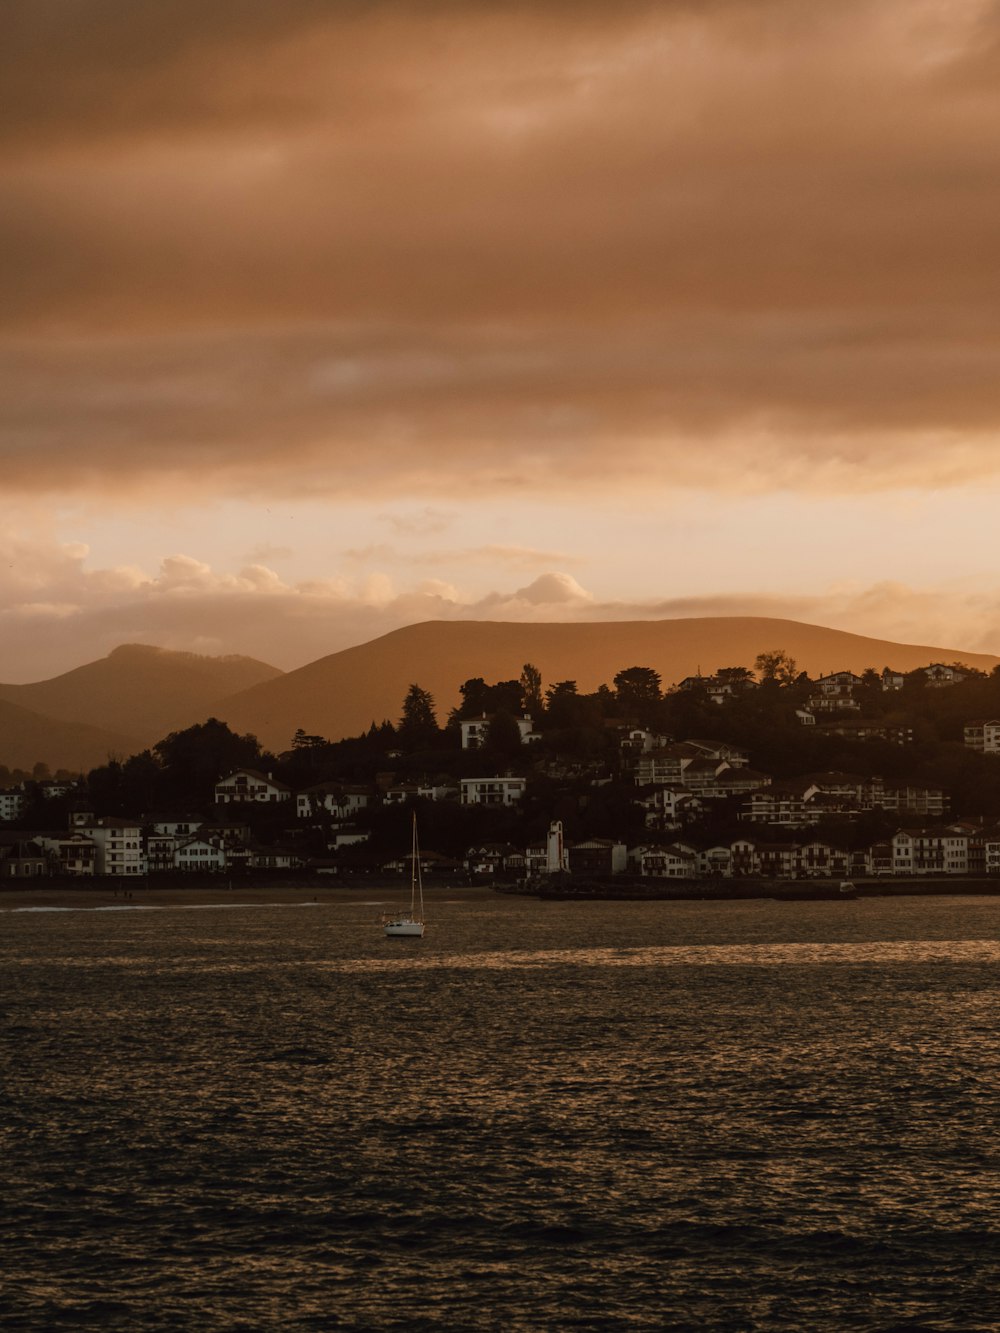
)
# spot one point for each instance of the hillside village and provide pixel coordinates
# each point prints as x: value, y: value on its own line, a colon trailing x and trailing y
x: 741, y: 773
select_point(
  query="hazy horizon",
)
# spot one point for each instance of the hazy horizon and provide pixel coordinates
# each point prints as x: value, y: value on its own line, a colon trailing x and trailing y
x: 722, y: 650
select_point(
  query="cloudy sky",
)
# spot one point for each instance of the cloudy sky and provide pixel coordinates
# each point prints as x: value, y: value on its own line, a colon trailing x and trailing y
x: 319, y: 317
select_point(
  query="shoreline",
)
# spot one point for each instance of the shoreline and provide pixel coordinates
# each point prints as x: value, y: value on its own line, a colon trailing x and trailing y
x: 98, y: 895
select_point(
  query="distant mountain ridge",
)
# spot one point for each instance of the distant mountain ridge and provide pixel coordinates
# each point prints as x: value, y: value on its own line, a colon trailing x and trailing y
x: 138, y: 694
x: 27, y: 738
x: 342, y: 694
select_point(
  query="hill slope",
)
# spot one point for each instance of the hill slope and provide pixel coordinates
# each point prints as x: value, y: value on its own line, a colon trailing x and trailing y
x: 341, y: 694
x: 137, y: 690
x: 27, y: 738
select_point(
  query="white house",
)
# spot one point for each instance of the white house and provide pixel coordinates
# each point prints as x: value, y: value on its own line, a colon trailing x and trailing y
x: 939, y: 674
x: 337, y: 799
x: 838, y: 682
x: 200, y: 854
x: 991, y: 846
x: 819, y: 859
x: 275, y: 858
x: 833, y: 701
x: 493, y: 791
x: 930, y: 851
x: 160, y: 849
x: 491, y: 858
x: 636, y: 740
x: 721, y: 686
x: 475, y: 730
x: 784, y: 804
x: 419, y: 791
x: 11, y: 803
x: 75, y: 853
x: 904, y: 797
x: 246, y: 785
x: 716, y: 861
x: 983, y: 736
x: 118, y: 843
x: 668, y: 807
x: 678, y: 861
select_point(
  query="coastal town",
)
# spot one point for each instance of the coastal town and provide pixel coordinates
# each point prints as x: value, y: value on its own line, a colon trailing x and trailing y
x: 737, y: 775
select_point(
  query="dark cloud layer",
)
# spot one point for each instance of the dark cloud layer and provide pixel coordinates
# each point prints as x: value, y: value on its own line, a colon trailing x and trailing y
x: 404, y: 245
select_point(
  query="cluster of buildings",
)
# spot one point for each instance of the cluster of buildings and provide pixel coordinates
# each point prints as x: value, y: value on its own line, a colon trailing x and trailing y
x: 105, y: 845
x: 674, y: 786
x: 953, y: 849
x: 835, y: 692
x: 676, y: 781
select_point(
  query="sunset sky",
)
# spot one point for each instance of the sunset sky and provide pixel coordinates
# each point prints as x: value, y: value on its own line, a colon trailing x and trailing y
x: 323, y: 317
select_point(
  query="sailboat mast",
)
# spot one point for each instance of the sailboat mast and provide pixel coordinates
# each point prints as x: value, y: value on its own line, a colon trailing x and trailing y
x: 414, y: 863
x: 416, y: 883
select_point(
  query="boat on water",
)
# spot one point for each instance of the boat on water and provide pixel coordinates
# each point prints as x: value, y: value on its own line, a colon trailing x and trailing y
x: 408, y: 924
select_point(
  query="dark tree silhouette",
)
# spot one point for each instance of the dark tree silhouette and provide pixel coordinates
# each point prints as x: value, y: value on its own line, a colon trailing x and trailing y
x: 776, y: 666
x: 503, y: 737
x: 637, y: 690
x: 531, y: 689
x: 195, y: 759
x: 418, y: 728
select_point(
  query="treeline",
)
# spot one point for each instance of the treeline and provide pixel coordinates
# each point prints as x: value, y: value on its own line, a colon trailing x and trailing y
x: 575, y: 767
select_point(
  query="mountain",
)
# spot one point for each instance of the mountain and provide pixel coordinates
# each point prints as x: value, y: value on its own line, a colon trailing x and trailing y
x: 27, y: 738
x: 137, y: 691
x: 342, y: 694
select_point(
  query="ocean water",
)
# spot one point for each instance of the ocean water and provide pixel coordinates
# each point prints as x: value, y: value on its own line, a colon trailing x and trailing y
x: 542, y: 1116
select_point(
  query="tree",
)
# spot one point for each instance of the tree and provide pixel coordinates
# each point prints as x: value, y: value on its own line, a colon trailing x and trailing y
x: 195, y: 759
x: 504, y: 697
x: 562, y: 704
x: 503, y: 736
x: 475, y: 695
x: 531, y: 689
x: 638, y: 690
x: 418, y: 728
x: 302, y: 741
x: 776, y: 666
x: 478, y: 698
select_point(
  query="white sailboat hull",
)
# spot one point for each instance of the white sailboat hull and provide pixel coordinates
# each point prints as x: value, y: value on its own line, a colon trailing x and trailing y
x: 404, y: 929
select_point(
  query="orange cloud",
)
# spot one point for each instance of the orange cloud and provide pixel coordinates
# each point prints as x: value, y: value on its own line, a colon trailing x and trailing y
x: 390, y: 249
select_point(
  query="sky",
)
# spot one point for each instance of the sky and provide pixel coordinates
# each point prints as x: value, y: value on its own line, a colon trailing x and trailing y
x: 322, y: 317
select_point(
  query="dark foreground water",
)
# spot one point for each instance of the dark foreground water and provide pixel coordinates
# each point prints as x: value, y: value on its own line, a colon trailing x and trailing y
x: 542, y: 1116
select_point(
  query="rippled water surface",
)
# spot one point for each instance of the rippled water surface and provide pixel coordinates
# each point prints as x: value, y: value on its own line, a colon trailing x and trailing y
x: 542, y: 1116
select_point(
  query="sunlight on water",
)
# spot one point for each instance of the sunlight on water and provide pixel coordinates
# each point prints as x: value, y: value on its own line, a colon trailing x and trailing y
x: 919, y: 951
x: 733, y: 1117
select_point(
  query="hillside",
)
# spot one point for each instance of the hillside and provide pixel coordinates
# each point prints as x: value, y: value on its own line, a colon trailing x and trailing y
x: 27, y: 738
x: 342, y: 694
x: 137, y: 690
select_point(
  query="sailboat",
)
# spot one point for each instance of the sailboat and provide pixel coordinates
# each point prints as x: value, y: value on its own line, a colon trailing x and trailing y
x: 409, y: 924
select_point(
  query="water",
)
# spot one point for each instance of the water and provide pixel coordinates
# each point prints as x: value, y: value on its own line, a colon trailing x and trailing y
x: 542, y: 1116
